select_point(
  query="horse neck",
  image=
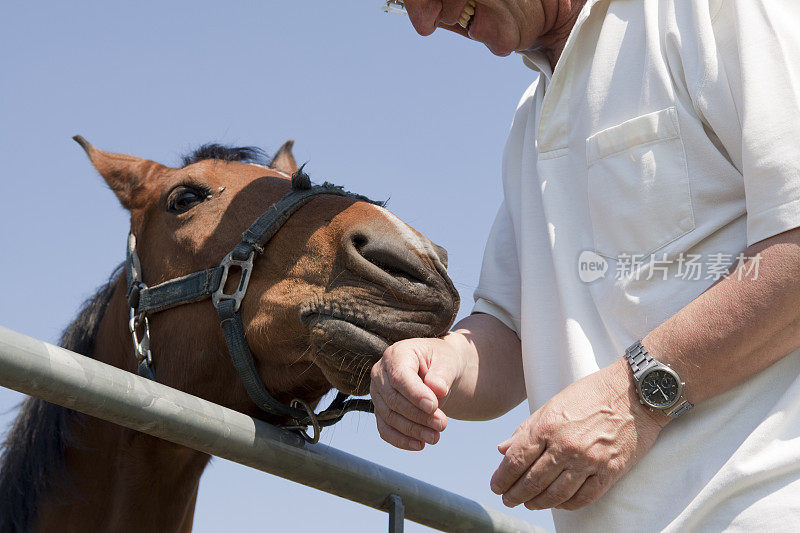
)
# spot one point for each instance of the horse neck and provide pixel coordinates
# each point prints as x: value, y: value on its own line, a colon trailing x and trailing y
x: 118, y: 478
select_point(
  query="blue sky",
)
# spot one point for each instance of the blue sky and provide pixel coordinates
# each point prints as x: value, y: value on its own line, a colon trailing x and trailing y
x: 371, y: 105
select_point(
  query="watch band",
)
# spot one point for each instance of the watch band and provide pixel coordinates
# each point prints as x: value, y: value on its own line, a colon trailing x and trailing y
x: 678, y: 409
x: 640, y: 362
x: 639, y: 359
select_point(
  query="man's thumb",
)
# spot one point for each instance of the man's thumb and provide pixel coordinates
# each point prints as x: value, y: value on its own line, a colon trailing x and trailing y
x: 440, y: 376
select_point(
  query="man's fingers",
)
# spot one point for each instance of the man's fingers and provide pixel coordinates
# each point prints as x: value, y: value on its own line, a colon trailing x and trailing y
x: 440, y: 375
x: 519, y: 457
x: 401, y: 423
x: 398, y: 403
x: 407, y: 382
x: 504, y: 446
x: 405, y: 406
x: 437, y: 384
x: 533, y: 482
x: 559, y: 491
x: 397, y: 439
x: 589, y: 492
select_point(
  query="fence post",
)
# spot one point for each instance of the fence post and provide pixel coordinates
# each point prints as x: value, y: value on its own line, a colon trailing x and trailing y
x: 396, y: 513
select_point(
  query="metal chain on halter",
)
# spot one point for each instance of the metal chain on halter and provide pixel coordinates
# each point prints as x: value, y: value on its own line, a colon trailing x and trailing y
x: 141, y: 346
x: 138, y: 319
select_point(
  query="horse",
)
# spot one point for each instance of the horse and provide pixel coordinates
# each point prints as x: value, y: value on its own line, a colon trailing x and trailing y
x: 341, y: 280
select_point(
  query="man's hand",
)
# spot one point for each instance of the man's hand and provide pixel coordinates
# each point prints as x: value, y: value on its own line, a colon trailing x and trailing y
x: 406, y: 386
x: 474, y: 373
x: 574, y: 448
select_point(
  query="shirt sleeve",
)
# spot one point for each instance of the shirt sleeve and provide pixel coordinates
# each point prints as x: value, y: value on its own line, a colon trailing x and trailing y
x: 499, y: 292
x: 750, y: 98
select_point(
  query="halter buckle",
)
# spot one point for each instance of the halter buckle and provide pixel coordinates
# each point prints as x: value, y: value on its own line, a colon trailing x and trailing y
x: 246, y: 267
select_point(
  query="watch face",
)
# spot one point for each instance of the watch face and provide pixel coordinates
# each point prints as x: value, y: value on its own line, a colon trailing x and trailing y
x: 660, y: 388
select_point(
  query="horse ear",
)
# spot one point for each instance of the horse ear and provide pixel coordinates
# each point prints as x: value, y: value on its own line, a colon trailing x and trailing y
x: 284, y: 159
x: 124, y: 174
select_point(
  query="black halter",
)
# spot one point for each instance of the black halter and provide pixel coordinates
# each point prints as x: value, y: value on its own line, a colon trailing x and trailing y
x: 144, y: 300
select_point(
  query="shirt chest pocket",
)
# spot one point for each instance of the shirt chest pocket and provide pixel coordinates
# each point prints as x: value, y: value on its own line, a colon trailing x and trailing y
x: 638, y: 185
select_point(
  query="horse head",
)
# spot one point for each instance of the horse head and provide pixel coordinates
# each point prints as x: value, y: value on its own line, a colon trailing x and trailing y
x: 341, y: 279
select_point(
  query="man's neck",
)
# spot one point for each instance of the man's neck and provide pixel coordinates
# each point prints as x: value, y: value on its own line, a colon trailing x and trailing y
x: 561, y: 15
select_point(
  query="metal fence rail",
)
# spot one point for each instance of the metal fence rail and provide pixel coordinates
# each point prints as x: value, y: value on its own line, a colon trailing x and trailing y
x: 59, y: 376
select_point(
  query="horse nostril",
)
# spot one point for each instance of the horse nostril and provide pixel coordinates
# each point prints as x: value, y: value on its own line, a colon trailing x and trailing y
x: 359, y: 240
x: 391, y: 257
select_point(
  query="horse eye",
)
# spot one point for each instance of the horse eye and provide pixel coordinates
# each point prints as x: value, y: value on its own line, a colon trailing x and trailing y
x: 184, y: 197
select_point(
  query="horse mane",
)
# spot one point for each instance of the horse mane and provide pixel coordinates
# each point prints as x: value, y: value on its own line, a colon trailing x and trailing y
x: 32, y: 460
x: 245, y: 154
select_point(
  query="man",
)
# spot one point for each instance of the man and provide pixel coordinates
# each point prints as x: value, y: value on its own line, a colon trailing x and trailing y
x: 658, y: 148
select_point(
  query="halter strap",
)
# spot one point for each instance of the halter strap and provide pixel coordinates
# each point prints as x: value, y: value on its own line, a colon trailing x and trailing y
x: 202, y: 284
x: 144, y: 300
x: 267, y: 225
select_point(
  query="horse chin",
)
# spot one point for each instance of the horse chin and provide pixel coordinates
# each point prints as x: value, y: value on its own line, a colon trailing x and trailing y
x: 349, y: 335
x: 345, y: 352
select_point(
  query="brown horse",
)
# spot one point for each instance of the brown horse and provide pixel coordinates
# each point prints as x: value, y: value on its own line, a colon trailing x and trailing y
x: 339, y: 281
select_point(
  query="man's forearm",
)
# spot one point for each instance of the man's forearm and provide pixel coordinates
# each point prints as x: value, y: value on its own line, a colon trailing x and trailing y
x: 738, y: 327
x: 491, y: 382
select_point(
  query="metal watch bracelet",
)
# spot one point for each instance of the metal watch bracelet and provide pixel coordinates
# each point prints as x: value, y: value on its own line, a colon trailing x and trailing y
x: 640, y: 362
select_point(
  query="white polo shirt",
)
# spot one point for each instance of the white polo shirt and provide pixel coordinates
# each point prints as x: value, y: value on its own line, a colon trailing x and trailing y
x: 668, y: 135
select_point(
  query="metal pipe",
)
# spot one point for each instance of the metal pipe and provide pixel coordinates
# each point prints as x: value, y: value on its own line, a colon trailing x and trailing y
x: 66, y: 378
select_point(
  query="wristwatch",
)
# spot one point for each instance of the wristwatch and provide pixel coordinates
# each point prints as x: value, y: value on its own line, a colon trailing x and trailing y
x: 659, y: 386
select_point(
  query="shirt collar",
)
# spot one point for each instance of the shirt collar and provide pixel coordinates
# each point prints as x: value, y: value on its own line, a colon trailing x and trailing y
x: 537, y: 60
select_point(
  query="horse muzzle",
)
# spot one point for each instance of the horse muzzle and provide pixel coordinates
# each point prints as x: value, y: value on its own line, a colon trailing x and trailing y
x: 391, y: 287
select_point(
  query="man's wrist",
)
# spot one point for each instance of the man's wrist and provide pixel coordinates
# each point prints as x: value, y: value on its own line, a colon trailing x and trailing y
x: 459, y: 344
x: 627, y: 386
x: 489, y: 367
